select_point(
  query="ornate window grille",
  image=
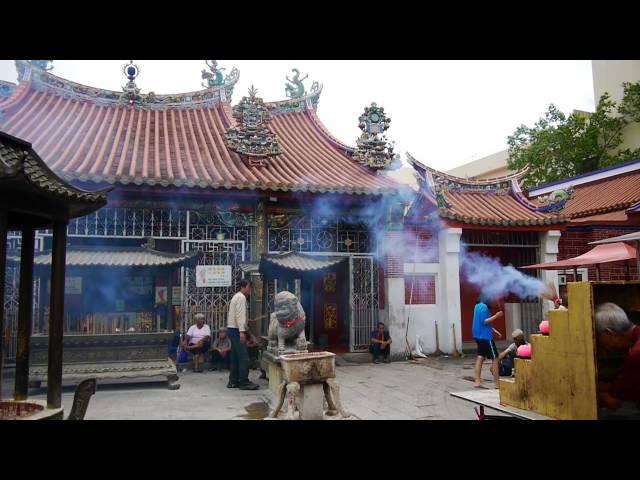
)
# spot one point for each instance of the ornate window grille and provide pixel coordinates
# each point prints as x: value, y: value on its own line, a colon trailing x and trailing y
x: 305, y: 233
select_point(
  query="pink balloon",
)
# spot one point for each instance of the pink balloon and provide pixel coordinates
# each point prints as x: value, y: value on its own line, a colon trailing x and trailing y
x: 524, y: 351
x: 544, y: 327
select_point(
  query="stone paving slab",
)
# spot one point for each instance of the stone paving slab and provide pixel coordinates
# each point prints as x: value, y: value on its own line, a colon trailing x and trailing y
x: 400, y: 390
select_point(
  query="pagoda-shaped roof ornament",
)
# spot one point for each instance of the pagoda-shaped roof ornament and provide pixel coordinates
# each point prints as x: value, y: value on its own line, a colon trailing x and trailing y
x: 295, y: 88
x: 131, y: 92
x: 45, y: 65
x: 373, y: 150
x: 214, y: 77
x: 252, y: 136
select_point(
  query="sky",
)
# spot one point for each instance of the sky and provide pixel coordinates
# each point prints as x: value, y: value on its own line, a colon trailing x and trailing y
x: 445, y: 113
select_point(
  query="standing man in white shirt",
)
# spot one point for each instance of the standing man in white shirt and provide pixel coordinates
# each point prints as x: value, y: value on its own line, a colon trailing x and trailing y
x: 237, y: 333
x: 197, y: 340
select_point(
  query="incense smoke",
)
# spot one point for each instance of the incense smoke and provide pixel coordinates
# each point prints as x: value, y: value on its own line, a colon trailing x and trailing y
x: 495, y: 279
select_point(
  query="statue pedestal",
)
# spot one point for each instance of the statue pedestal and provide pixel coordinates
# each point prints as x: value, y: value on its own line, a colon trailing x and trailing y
x: 311, y: 402
x: 273, y: 368
x: 304, y: 381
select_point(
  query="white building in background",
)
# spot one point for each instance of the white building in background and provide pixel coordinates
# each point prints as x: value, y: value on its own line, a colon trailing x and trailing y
x: 608, y: 76
x: 491, y: 166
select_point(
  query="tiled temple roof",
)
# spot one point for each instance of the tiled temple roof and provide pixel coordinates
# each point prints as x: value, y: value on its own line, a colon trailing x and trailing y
x: 88, y: 134
x: 21, y: 165
x: 603, y: 195
x: 491, y: 202
x: 117, y: 257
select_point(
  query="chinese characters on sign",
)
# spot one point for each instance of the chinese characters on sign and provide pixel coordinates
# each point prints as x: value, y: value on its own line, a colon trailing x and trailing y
x: 330, y: 316
x: 213, y: 275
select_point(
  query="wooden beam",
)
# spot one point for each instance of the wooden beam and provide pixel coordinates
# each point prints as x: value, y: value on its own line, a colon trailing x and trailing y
x: 25, y: 310
x: 3, y: 270
x: 56, y: 315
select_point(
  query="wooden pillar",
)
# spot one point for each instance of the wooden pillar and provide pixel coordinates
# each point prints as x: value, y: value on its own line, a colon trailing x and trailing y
x: 3, y: 271
x: 25, y: 309
x: 56, y: 315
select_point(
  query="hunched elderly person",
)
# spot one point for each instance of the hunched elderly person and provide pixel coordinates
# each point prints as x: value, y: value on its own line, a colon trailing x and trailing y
x: 616, y: 333
x: 221, y: 351
x: 197, y: 340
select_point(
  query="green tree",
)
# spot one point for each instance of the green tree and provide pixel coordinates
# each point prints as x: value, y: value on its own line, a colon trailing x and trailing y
x: 560, y: 146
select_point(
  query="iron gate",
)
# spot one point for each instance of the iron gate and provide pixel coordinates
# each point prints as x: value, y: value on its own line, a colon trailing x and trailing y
x: 213, y: 302
x: 363, y: 272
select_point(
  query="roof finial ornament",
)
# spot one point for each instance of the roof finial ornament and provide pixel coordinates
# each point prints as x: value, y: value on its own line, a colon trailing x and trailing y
x: 295, y: 87
x: 252, y: 137
x: 131, y: 91
x: 214, y: 78
x: 43, y: 64
x: 373, y: 150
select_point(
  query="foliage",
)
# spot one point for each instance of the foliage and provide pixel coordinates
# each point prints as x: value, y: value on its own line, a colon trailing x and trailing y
x: 560, y: 146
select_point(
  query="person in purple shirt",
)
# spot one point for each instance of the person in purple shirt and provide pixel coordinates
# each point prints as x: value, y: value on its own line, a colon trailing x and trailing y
x: 483, y: 334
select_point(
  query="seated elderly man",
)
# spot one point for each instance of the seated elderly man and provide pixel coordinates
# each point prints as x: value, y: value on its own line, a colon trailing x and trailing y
x: 197, y: 340
x: 506, y: 358
x: 380, y: 344
x: 615, y: 333
x: 220, y: 351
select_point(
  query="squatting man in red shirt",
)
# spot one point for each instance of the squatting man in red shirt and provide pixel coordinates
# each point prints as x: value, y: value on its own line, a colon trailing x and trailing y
x: 616, y: 333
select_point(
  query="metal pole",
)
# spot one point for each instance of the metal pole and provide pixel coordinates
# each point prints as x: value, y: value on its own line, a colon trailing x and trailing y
x: 25, y: 307
x: 56, y: 315
x: 3, y: 264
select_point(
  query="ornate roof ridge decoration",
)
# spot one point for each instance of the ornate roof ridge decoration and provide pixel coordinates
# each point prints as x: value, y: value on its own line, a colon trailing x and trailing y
x: 45, y: 65
x: 214, y: 80
x: 555, y: 201
x: 47, y: 82
x: 440, y: 188
x: 252, y: 137
x: 131, y: 92
x: 372, y: 149
x: 472, y: 184
x: 307, y: 101
x: 7, y: 89
x: 17, y: 158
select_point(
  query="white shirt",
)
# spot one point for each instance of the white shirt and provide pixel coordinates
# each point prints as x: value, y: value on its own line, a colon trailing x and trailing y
x: 196, y: 334
x: 237, y: 317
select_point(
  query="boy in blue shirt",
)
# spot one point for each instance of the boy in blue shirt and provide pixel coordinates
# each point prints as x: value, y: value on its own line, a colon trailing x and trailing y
x: 483, y: 335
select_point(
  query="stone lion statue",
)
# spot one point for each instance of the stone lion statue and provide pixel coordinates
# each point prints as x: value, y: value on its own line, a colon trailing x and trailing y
x: 286, y: 326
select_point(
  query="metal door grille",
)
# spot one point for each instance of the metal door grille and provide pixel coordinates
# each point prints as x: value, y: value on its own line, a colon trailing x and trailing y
x: 364, y: 301
x: 213, y: 302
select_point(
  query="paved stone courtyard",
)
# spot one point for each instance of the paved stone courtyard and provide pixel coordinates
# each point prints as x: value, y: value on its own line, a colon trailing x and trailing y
x: 400, y: 390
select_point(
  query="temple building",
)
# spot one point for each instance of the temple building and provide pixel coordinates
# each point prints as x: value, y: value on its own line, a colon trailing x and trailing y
x: 236, y: 183
x: 600, y: 204
x: 454, y: 218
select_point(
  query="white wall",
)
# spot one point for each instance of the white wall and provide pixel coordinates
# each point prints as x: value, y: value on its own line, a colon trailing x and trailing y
x: 449, y: 255
x: 422, y: 318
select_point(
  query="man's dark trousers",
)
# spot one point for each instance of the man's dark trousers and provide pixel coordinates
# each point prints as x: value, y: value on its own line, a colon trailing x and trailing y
x: 375, y: 349
x: 239, y: 372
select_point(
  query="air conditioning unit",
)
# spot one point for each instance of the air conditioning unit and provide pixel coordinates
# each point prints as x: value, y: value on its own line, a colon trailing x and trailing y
x: 562, y: 279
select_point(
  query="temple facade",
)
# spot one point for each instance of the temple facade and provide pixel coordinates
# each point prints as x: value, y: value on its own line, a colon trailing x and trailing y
x: 234, y: 182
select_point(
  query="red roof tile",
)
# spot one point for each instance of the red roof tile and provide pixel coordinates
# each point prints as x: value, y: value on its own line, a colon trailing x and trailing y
x: 88, y: 140
x: 610, y: 194
x: 496, y: 201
